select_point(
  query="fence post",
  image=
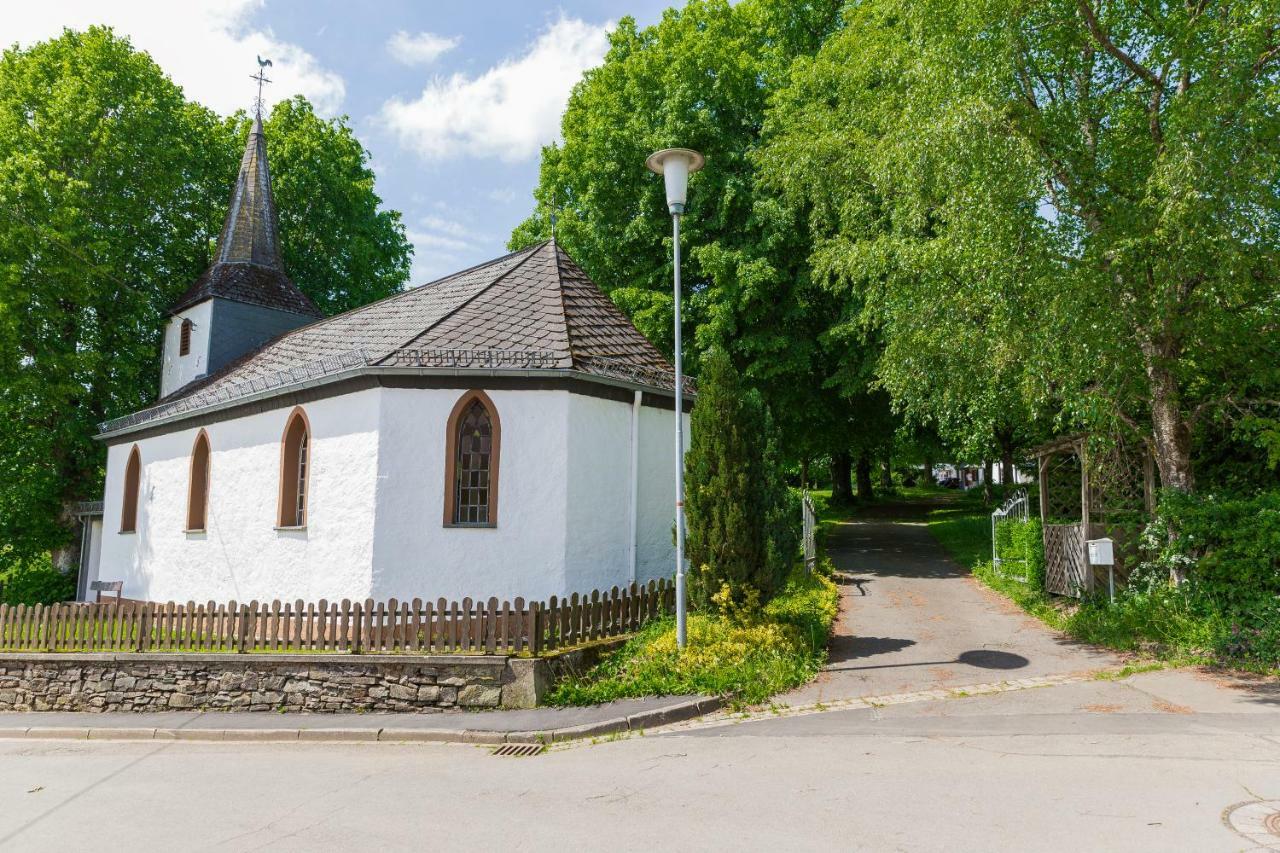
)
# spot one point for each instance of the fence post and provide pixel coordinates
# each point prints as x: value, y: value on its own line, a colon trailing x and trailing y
x: 535, y: 628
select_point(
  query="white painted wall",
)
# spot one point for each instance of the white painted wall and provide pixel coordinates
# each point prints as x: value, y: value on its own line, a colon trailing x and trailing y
x: 177, y: 370
x: 523, y: 555
x: 656, y: 548
x: 241, y: 555
x: 376, y: 506
x: 598, y: 516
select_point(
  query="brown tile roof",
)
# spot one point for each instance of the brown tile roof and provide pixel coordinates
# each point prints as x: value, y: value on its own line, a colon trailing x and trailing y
x: 246, y: 265
x: 532, y: 309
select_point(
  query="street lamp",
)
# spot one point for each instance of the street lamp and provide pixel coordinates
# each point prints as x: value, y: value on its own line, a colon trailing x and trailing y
x: 675, y: 165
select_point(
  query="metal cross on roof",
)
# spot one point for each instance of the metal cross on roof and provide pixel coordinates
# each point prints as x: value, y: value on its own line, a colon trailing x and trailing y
x: 261, y: 77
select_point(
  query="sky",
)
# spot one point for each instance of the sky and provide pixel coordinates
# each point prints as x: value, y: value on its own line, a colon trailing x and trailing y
x: 453, y: 100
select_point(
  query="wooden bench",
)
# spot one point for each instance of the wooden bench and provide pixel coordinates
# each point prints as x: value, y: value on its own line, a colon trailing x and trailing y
x: 107, y: 586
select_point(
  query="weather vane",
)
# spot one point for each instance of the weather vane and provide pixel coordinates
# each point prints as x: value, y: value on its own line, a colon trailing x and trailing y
x: 261, y: 77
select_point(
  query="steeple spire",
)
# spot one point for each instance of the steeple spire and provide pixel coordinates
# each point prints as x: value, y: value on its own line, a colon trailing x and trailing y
x: 250, y: 232
x: 247, y: 266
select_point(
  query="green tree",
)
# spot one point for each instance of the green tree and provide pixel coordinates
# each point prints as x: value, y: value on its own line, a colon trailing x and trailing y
x: 700, y: 78
x: 736, y: 500
x: 1085, y: 196
x: 112, y: 188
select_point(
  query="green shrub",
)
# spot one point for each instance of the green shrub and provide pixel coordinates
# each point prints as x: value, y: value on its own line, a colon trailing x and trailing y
x: 35, y: 581
x: 745, y: 659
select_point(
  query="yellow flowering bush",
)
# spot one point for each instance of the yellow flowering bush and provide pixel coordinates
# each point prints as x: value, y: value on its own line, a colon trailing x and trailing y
x: 746, y: 656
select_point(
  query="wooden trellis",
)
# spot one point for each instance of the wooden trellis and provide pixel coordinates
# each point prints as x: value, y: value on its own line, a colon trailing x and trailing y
x: 1090, y: 491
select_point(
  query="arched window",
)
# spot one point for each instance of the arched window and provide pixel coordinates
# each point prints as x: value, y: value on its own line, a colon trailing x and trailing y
x: 198, y: 484
x: 295, y: 467
x: 129, y: 501
x: 471, y: 471
x: 184, y: 337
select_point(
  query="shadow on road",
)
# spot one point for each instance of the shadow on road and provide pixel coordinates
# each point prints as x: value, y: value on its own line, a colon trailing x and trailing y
x: 977, y: 658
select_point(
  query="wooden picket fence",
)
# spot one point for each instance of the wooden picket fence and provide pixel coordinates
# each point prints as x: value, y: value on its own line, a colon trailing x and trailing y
x: 369, y: 627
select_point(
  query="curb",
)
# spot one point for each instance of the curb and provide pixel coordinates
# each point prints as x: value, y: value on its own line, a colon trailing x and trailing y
x: 635, y: 722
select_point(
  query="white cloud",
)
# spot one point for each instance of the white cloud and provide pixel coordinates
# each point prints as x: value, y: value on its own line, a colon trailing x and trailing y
x: 420, y: 49
x: 510, y: 110
x: 442, y: 246
x: 206, y: 46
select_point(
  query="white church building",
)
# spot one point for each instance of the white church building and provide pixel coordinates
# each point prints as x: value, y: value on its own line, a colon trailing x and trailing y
x: 503, y: 431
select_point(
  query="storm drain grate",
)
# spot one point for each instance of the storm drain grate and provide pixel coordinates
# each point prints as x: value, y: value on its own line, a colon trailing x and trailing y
x: 519, y: 750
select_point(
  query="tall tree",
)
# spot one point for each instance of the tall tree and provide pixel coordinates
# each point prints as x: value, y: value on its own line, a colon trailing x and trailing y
x: 112, y: 188
x: 700, y: 78
x: 1084, y: 195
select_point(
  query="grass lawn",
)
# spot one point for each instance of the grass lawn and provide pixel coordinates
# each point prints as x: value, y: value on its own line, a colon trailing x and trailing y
x: 746, y: 661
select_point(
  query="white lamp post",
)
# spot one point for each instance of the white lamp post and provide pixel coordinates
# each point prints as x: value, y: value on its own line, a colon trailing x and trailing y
x: 675, y: 165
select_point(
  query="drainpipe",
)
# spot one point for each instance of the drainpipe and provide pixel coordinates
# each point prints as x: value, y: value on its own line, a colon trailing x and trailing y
x: 635, y: 483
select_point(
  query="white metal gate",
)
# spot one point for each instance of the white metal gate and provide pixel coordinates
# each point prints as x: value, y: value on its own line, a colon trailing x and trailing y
x: 810, y: 527
x: 1014, y: 510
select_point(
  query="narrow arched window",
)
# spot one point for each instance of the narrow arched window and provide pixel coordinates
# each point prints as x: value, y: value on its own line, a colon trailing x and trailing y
x: 184, y: 337
x: 471, y: 479
x: 198, y: 484
x: 295, y: 468
x: 129, y: 500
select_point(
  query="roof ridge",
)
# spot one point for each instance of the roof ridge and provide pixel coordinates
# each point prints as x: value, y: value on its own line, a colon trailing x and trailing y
x: 531, y: 251
x: 564, y: 309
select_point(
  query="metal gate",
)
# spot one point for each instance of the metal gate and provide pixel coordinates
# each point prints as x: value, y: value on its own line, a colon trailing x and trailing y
x: 810, y: 526
x: 1014, y: 510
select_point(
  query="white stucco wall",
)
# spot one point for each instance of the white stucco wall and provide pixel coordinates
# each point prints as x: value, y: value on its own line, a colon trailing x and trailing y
x: 376, y: 505
x: 656, y: 549
x: 242, y: 555
x: 177, y: 370
x: 416, y: 555
x: 598, y: 517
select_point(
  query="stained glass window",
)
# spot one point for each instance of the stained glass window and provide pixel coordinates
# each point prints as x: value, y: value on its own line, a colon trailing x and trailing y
x: 472, y: 466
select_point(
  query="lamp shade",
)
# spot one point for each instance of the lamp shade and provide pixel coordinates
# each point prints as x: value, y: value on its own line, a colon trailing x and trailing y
x: 675, y: 165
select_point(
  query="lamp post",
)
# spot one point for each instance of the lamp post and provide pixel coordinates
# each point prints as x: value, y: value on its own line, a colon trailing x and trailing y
x: 675, y: 165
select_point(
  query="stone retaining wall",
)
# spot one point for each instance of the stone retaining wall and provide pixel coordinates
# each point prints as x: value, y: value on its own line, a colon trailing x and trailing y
x: 314, y: 683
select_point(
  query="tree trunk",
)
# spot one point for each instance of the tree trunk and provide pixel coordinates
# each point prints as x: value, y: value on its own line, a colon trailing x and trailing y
x: 886, y: 475
x: 864, y: 477
x: 1171, y: 433
x: 804, y: 473
x: 986, y: 481
x: 66, y: 558
x: 841, y: 487
x: 1005, y: 440
x: 928, y: 473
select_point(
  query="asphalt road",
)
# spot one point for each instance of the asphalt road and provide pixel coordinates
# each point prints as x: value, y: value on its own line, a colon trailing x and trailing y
x: 1164, y: 760
x: 912, y: 619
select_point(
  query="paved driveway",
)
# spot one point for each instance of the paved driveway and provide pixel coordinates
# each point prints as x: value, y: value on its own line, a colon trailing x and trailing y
x: 913, y: 619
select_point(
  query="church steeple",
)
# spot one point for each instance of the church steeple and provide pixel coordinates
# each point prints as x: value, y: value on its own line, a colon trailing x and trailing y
x: 244, y: 298
x: 250, y: 233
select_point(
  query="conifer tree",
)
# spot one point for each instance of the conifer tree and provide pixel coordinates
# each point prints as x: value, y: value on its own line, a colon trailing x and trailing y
x: 736, y: 500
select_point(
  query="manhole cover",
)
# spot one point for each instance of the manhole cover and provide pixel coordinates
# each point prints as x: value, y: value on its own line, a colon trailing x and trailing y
x: 1258, y: 821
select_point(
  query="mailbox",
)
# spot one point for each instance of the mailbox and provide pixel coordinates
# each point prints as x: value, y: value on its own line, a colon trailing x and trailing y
x: 1101, y: 552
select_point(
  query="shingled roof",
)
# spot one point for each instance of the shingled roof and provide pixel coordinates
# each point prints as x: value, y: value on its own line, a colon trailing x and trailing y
x: 532, y: 310
x: 247, y: 266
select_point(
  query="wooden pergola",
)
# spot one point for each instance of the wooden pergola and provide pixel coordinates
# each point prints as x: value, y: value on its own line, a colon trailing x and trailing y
x: 1090, y: 493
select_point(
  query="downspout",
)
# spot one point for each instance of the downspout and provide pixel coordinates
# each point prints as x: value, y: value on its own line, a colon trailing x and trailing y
x: 635, y: 484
